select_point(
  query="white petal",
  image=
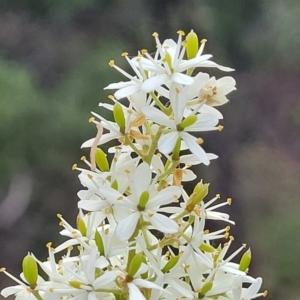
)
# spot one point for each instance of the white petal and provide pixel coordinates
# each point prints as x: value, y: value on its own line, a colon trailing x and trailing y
x: 134, y: 292
x: 194, y: 147
x: 127, y: 226
x: 165, y: 196
x: 194, y: 62
x: 157, y: 116
x: 152, y: 83
x: 162, y: 223
x: 105, y: 279
x: 167, y: 142
x: 178, y: 101
x: 182, y: 79
x: 141, y: 179
x: 226, y: 85
x: 128, y: 91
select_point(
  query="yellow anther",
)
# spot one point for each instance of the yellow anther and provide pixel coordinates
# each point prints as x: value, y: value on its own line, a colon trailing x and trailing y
x: 115, y: 159
x: 177, y: 90
x: 231, y: 238
x: 220, y: 127
x: 244, y: 245
x: 200, y: 141
x: 90, y: 176
x: 59, y: 216
x: 70, y: 248
x: 129, y: 111
x: 203, y: 41
x: 183, y: 44
x: 138, y: 59
x: 91, y: 119
x: 124, y: 54
x: 79, y: 248
x: 150, y: 214
x: 144, y: 51
x: 83, y: 158
x: 218, y: 196
x: 48, y: 245
x: 120, y: 198
x: 155, y: 34
x: 265, y: 293
x: 229, y: 201
x: 127, y: 171
x: 206, y: 231
x: 74, y: 167
x: 226, y: 235
x: 111, y: 63
x: 111, y: 97
x: 180, y: 32
x: 61, y: 223
x: 227, y: 228
x: 2, y: 270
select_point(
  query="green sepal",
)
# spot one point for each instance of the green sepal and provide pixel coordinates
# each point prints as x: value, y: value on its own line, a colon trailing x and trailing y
x: 101, y: 160
x: 81, y: 226
x: 207, y: 248
x: 170, y: 264
x: 144, y: 198
x: 135, y: 264
x: 119, y: 117
x: 30, y: 270
x: 188, y: 121
x: 192, y: 45
x: 99, y: 243
x: 245, y: 261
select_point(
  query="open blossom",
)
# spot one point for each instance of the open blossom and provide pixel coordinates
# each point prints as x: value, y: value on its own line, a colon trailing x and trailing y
x: 140, y: 232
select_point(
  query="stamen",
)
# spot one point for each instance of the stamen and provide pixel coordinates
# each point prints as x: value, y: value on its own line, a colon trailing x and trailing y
x: 111, y: 63
x: 124, y: 54
x: 181, y: 32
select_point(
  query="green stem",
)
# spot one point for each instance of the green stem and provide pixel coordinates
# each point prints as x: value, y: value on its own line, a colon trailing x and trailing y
x: 148, y: 158
x: 131, y: 144
x: 158, y: 103
x: 37, y: 295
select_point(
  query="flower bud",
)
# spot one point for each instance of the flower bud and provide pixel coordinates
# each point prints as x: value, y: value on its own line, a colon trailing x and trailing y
x: 101, y: 160
x: 192, y: 45
x: 119, y: 117
x: 99, y: 242
x: 199, y: 193
x: 144, y: 198
x: 207, y: 248
x: 170, y: 264
x: 176, y: 150
x: 188, y: 121
x: 245, y: 261
x: 81, y: 226
x: 30, y: 270
x: 135, y: 264
x: 206, y: 288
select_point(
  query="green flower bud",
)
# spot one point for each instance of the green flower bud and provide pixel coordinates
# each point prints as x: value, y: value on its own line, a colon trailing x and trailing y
x: 81, y: 226
x: 206, y: 288
x: 170, y: 264
x: 101, y: 160
x: 199, y: 193
x: 245, y: 261
x: 75, y: 284
x: 30, y: 270
x: 119, y: 117
x: 99, y: 243
x: 168, y: 60
x: 176, y: 150
x: 207, y: 248
x: 144, y: 198
x: 190, y: 120
x: 192, y: 44
x: 135, y: 264
x: 115, y: 185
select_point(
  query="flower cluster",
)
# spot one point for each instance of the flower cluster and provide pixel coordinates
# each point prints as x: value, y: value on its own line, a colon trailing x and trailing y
x: 139, y: 233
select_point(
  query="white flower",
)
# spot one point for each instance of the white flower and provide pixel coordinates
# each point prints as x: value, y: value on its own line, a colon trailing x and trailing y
x: 203, y: 122
x: 149, y: 208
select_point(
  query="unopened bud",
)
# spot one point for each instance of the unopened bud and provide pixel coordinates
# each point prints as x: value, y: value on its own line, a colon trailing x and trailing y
x: 101, y: 160
x: 30, y: 270
x: 119, y: 117
x: 192, y: 44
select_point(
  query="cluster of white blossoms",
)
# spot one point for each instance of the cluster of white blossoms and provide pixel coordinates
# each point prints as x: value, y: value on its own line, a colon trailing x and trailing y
x: 139, y: 233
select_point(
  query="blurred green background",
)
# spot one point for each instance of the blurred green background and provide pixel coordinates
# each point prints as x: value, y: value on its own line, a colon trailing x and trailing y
x: 53, y: 67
